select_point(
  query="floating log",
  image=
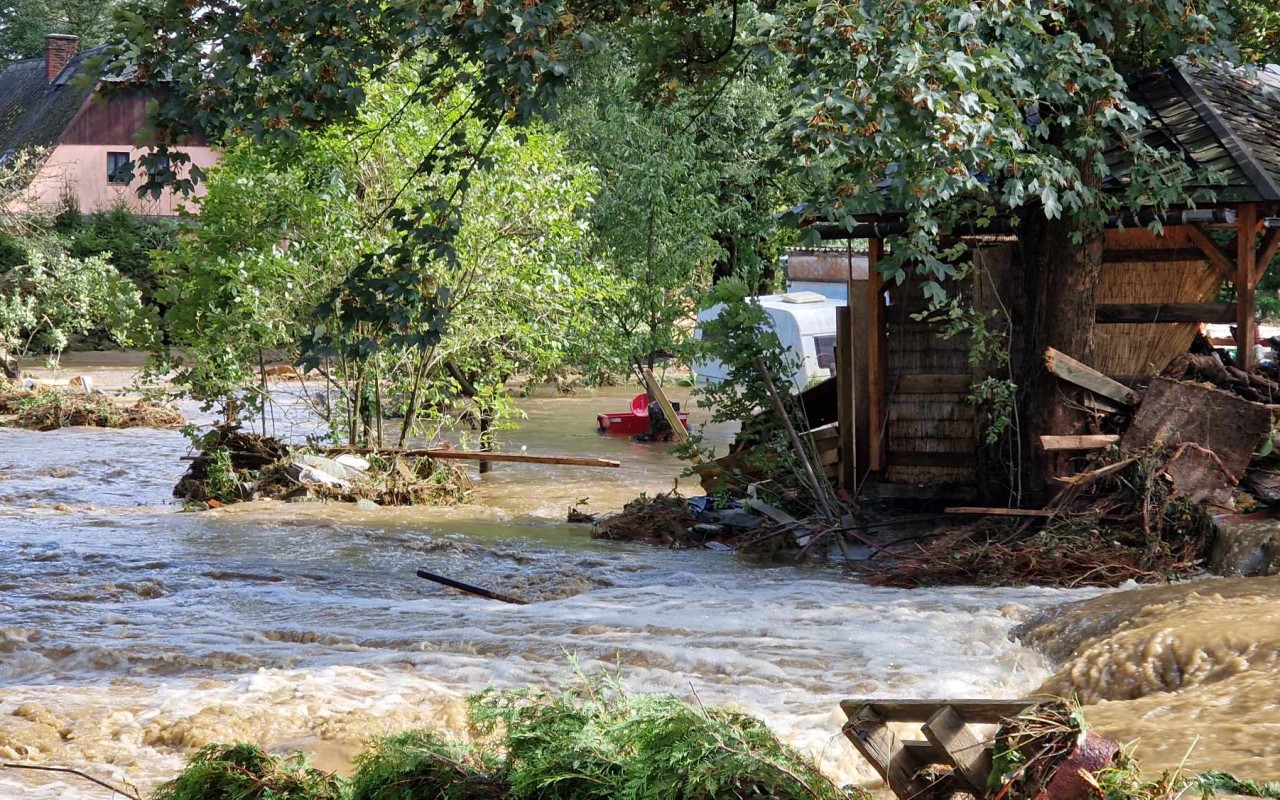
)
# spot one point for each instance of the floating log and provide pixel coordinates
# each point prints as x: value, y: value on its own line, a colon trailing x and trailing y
x: 1086, y: 377
x: 480, y: 455
x: 1093, y: 441
x: 468, y: 588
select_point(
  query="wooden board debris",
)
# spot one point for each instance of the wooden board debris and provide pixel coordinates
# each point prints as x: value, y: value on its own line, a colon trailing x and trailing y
x: 1086, y: 377
x: 1173, y: 413
x: 1095, y: 441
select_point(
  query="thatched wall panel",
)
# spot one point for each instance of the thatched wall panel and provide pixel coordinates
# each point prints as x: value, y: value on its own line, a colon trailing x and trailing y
x: 1134, y: 349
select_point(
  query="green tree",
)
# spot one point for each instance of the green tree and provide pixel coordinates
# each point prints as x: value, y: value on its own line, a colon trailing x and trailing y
x: 283, y: 228
x: 25, y: 23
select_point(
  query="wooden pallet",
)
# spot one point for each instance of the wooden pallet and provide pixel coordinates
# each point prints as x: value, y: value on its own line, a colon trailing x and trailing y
x: 948, y: 743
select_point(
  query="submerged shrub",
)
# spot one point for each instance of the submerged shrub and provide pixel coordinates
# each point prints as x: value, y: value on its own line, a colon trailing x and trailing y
x: 422, y: 765
x: 245, y: 772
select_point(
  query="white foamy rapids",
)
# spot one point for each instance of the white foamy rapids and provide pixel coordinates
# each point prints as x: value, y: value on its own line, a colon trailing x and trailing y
x: 132, y: 634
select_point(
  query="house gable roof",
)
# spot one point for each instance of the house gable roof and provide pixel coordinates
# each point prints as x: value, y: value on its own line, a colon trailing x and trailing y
x: 33, y: 112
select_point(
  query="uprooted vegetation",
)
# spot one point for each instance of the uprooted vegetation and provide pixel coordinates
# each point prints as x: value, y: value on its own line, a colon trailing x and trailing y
x: 596, y: 742
x: 234, y: 467
x: 46, y: 408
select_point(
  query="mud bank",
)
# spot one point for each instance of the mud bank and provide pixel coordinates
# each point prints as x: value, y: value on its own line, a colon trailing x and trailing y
x: 1190, y: 671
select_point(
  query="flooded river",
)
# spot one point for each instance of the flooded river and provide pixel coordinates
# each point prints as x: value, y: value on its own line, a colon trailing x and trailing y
x: 133, y: 632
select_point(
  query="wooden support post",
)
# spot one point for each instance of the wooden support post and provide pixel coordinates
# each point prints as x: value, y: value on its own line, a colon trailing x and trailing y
x: 957, y: 745
x: 1246, y: 283
x: 846, y: 406
x: 875, y: 358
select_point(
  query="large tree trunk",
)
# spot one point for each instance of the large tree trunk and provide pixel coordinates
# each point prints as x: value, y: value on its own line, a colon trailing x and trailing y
x: 1062, y: 297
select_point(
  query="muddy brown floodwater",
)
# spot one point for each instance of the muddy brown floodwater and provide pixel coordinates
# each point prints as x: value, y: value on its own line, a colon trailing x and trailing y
x: 132, y: 632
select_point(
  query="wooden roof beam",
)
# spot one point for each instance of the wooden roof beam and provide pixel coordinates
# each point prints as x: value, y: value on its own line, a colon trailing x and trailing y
x: 1213, y: 251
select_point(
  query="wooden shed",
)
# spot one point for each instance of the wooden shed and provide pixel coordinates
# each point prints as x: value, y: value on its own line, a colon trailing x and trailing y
x: 905, y: 415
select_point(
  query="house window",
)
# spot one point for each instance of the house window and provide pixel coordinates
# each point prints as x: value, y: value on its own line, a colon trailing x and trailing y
x: 157, y: 167
x: 119, y: 168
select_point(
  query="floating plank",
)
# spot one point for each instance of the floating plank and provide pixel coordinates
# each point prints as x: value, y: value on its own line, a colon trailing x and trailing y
x: 952, y: 739
x: 983, y: 511
x: 479, y: 455
x: 984, y: 711
x: 1086, y: 377
x: 1155, y: 313
x: 1093, y: 441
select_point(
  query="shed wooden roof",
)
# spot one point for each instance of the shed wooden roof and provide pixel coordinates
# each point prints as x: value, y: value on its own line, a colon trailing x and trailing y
x: 1220, y: 118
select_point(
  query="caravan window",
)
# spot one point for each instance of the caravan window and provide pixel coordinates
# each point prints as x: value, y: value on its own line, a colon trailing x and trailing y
x: 825, y: 348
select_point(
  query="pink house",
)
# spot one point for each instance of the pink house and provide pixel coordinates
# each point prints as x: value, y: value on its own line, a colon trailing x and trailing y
x: 48, y: 104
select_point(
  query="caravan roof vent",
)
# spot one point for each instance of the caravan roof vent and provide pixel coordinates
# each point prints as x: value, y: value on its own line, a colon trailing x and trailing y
x: 803, y: 297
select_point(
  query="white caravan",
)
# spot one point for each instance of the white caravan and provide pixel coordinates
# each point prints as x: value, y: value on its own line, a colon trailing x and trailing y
x: 805, y: 323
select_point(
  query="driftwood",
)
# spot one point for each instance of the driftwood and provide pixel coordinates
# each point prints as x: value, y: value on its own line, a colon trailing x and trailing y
x: 468, y: 588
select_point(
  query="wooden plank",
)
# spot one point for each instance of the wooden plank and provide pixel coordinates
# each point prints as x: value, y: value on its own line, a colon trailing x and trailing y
x: 1151, y: 313
x: 478, y: 455
x: 1093, y: 441
x: 971, y: 758
x: 858, y: 336
x: 912, y: 458
x: 1085, y: 376
x: 1212, y: 250
x: 668, y: 411
x: 846, y: 406
x: 1154, y: 255
x: 875, y: 357
x: 824, y: 435
x: 981, y: 511
x: 882, y: 749
x: 975, y: 712
x: 933, y: 384
x: 1246, y: 285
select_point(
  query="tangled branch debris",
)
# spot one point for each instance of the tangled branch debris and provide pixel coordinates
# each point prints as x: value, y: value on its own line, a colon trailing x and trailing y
x: 1124, y: 520
x: 234, y: 466
x: 46, y: 408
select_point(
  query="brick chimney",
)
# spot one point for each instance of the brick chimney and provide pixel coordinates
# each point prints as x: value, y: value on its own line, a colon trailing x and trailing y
x: 58, y: 50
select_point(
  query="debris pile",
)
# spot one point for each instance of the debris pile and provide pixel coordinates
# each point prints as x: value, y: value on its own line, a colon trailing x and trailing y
x: 750, y: 527
x: 234, y: 466
x: 45, y: 408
